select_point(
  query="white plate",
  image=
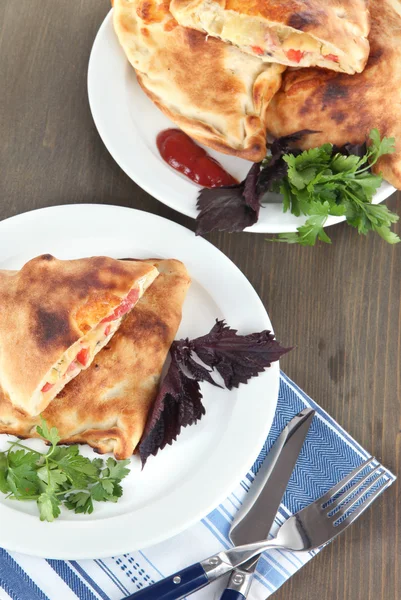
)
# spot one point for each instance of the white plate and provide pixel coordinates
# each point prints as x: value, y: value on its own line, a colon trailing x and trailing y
x: 128, y: 123
x: 187, y: 480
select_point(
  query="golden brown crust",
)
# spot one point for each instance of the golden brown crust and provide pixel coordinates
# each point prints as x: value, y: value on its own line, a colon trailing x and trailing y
x: 342, y: 24
x: 345, y: 108
x: 107, y: 405
x: 215, y: 93
x: 49, y: 305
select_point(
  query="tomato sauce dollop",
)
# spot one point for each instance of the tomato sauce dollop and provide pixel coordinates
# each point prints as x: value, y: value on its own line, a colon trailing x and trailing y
x: 184, y: 155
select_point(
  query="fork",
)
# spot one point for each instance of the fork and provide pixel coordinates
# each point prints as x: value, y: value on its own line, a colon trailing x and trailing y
x: 310, y: 528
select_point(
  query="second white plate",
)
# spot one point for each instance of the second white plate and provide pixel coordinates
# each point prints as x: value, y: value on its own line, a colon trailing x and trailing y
x: 128, y: 123
x: 188, y: 479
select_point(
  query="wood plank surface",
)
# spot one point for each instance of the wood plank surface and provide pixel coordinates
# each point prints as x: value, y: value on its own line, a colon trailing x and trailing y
x: 339, y: 304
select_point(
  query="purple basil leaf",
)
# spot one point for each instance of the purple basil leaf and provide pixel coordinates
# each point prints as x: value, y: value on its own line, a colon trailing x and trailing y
x: 283, y: 144
x: 276, y: 168
x: 250, y: 195
x: 229, y: 208
x: 348, y: 149
x: 183, y: 356
x: 178, y: 404
x: 274, y: 171
x: 237, y: 357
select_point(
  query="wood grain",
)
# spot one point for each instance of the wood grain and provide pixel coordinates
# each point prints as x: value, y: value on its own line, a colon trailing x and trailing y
x: 339, y: 304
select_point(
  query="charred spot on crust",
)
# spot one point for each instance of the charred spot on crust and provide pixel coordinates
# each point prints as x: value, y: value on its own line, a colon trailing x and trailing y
x: 47, y: 257
x: 338, y: 116
x: 144, y: 10
x: 52, y: 328
x: 334, y: 91
x: 195, y: 39
x: 375, y: 55
x: 257, y: 148
x: 301, y: 20
x: 306, y: 108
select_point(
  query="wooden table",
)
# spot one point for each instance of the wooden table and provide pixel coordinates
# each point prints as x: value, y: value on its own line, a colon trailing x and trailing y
x: 339, y: 304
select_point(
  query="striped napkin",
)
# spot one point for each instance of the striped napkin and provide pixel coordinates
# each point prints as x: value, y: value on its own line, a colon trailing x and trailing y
x: 328, y: 455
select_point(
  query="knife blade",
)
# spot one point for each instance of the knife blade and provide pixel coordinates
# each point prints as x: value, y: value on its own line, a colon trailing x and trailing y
x: 255, y: 518
x: 274, y: 475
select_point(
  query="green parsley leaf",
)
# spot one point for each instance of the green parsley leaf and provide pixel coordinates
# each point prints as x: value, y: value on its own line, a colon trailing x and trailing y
x: 4, y: 487
x: 79, y: 470
x: 313, y: 227
x: 344, y: 164
x: 51, y: 435
x: 99, y: 493
x: 51, y: 476
x: 21, y: 475
x: 61, y: 476
x: 367, y: 183
x: 80, y: 502
x: 107, y: 485
x: 319, y: 184
x: 302, y: 169
x: 388, y: 235
x: 117, y: 469
x: 379, y: 146
x: 285, y: 190
x: 49, y: 507
x: 117, y: 491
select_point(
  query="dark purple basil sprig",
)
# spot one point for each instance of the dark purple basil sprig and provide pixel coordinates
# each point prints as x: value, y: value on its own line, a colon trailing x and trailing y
x: 237, y: 358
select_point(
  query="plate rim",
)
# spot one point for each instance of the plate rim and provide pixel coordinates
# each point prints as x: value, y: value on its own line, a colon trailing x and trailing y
x: 173, y: 179
x: 86, y: 528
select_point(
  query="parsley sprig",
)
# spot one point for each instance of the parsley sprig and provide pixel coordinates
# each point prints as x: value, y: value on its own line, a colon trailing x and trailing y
x: 318, y: 183
x: 62, y: 476
x: 323, y: 182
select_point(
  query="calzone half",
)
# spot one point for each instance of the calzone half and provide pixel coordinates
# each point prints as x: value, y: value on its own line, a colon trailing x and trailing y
x: 344, y: 108
x: 56, y: 315
x: 324, y: 33
x: 108, y: 404
x: 214, y: 92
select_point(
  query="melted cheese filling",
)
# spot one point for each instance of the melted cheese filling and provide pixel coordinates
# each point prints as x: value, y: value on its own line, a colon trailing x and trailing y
x: 273, y: 44
x: 69, y: 367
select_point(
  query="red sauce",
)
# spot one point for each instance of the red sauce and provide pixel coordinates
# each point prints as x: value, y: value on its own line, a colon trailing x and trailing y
x: 184, y: 155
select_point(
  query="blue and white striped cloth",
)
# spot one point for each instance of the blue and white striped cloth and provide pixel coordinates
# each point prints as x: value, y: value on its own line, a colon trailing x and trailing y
x: 329, y: 454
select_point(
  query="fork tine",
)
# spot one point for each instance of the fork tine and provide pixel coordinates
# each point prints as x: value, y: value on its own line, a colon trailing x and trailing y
x: 344, y: 509
x: 334, y: 490
x: 367, y: 502
x: 340, y: 499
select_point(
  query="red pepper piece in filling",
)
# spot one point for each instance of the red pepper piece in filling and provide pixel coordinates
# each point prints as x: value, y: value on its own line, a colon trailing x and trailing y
x: 124, y: 307
x: 332, y: 57
x: 107, y: 330
x: 72, y: 367
x: 83, y: 356
x: 257, y: 50
x: 295, y: 55
x: 48, y: 386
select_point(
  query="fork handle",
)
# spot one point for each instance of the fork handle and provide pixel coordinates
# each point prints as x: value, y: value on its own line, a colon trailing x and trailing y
x: 174, y: 587
x: 238, y: 586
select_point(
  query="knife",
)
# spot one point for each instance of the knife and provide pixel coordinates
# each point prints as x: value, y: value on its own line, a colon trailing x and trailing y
x: 256, y: 515
x: 252, y: 522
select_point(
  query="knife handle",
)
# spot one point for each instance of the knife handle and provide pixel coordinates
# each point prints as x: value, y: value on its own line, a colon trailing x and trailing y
x: 238, y: 586
x: 175, y: 586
